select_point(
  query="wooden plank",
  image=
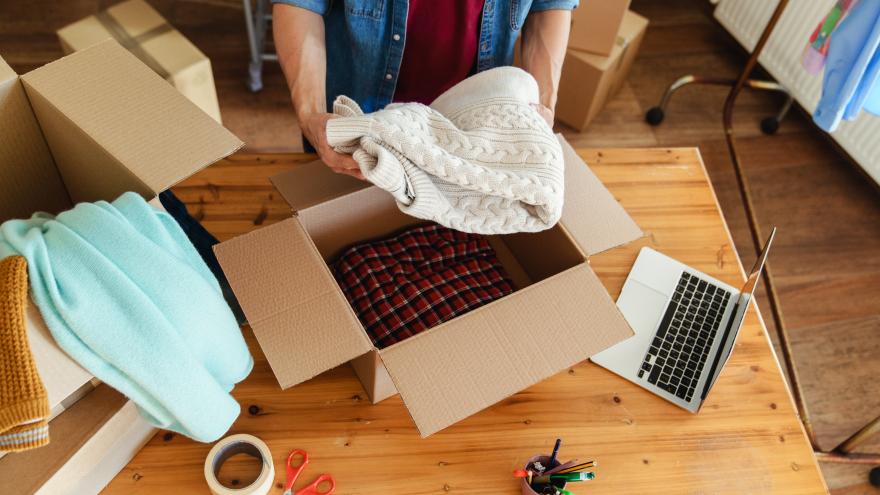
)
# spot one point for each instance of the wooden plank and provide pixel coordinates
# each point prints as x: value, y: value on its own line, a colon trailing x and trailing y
x: 747, y: 439
x: 850, y: 376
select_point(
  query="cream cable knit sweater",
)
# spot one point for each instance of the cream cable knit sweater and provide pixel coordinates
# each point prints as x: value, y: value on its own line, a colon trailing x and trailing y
x: 480, y: 159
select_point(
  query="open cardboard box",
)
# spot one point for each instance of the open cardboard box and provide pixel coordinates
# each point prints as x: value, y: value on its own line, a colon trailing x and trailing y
x: 559, y: 315
x: 89, y: 127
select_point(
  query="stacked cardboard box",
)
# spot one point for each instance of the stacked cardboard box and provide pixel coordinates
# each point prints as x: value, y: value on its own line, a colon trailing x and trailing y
x: 598, y: 59
x: 594, y: 25
x: 148, y: 36
x: 88, y: 127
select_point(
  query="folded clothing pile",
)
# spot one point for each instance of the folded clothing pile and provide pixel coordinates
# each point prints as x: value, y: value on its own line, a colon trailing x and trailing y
x: 126, y: 295
x: 417, y: 279
x: 480, y: 159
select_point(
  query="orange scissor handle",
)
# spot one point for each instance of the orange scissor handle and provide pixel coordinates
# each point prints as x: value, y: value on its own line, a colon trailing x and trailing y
x: 312, y: 488
x: 293, y: 472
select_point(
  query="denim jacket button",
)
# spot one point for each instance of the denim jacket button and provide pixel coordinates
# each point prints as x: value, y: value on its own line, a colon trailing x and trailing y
x: 388, y: 76
x: 396, y: 37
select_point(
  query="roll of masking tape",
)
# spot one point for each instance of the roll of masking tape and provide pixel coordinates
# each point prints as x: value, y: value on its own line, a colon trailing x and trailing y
x: 240, y: 444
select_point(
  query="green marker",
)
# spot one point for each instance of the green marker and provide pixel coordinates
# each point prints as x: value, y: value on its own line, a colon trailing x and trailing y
x: 564, y: 477
x: 573, y: 476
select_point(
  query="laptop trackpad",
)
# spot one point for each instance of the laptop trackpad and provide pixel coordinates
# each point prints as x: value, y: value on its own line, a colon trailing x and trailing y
x: 643, y: 308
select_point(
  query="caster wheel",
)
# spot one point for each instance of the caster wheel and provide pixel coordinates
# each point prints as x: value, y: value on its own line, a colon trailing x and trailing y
x: 255, y: 85
x: 654, y: 116
x: 874, y: 476
x: 770, y: 125
x: 255, y: 78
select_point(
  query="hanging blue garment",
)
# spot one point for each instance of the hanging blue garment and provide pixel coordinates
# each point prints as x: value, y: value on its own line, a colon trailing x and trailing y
x: 872, y: 102
x: 852, y: 68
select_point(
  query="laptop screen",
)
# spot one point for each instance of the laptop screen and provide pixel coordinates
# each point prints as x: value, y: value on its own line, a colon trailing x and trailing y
x: 752, y: 282
x: 737, y: 318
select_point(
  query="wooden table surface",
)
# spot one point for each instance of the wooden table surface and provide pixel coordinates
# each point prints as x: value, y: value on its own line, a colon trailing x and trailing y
x: 746, y: 440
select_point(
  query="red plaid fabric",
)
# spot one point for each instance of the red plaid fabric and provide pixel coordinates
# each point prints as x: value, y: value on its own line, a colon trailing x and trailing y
x: 420, y: 278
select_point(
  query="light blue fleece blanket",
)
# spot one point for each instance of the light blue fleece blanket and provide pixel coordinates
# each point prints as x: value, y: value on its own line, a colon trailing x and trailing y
x: 126, y: 295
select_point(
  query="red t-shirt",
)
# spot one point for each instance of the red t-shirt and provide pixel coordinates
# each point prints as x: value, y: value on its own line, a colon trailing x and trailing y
x: 441, y: 47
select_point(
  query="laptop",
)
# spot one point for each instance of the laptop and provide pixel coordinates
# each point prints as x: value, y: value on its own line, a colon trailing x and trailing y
x: 685, y: 325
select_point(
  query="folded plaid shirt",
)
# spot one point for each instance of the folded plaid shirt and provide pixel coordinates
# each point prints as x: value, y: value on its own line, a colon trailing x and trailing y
x: 418, y: 279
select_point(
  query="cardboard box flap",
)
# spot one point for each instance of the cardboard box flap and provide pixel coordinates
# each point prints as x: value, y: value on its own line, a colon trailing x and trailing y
x: 30, y: 182
x: 83, y: 99
x: 463, y: 366
x: 299, y: 316
x: 6, y: 72
x: 313, y: 183
x: 591, y: 216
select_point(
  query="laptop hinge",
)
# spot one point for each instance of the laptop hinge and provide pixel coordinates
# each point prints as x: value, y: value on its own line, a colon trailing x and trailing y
x: 721, y: 346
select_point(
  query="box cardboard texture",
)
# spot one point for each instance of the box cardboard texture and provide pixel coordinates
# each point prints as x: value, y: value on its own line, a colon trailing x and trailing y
x: 147, y: 35
x: 588, y: 81
x: 594, y: 25
x: 305, y: 325
x: 89, y: 127
x: 91, y: 442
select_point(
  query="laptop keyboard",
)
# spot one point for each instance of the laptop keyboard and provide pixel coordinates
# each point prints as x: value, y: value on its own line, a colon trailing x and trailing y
x: 684, y: 338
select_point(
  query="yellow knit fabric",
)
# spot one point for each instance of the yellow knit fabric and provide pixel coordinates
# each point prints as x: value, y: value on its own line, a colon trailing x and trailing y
x: 24, y: 404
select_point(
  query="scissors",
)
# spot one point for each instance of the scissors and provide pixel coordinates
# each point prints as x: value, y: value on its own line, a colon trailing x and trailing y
x: 293, y: 472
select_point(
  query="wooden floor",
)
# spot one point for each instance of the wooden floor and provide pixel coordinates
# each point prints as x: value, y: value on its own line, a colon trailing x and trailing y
x: 825, y: 259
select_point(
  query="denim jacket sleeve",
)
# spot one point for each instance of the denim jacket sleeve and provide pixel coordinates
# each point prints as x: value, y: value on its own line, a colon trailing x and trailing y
x: 317, y: 6
x: 541, y: 5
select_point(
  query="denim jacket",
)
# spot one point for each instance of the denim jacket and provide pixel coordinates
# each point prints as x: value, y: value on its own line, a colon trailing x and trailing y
x: 365, y: 40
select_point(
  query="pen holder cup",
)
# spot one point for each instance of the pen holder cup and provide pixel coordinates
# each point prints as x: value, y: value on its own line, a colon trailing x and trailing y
x: 544, y: 460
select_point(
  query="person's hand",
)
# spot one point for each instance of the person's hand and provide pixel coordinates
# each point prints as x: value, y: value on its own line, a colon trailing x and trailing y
x: 544, y: 112
x: 314, y: 128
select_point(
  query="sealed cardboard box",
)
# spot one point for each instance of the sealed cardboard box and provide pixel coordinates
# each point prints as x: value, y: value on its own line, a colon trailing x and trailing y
x: 588, y: 80
x: 147, y: 35
x: 595, y: 25
x: 89, y: 127
x: 305, y: 325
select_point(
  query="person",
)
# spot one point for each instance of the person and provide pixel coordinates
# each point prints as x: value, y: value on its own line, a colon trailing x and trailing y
x: 383, y: 51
